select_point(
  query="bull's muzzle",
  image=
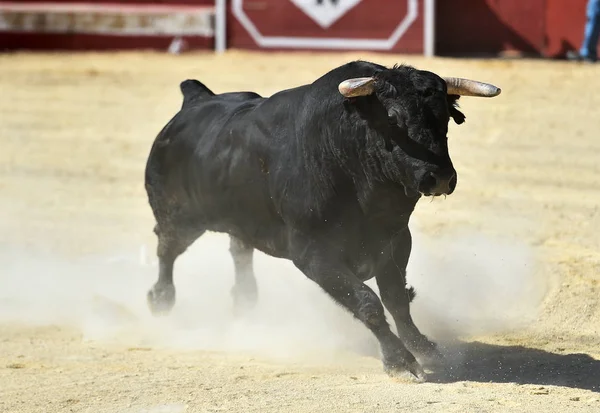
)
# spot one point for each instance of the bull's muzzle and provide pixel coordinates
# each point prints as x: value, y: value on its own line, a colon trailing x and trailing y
x: 438, y: 183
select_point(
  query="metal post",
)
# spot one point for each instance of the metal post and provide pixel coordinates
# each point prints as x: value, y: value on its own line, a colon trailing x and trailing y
x: 220, y: 25
x: 429, y: 28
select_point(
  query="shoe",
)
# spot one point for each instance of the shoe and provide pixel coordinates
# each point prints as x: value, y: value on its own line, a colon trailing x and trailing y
x: 577, y: 57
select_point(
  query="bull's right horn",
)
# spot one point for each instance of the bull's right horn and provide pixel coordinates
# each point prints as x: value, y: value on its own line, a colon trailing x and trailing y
x: 467, y: 87
x: 360, y: 86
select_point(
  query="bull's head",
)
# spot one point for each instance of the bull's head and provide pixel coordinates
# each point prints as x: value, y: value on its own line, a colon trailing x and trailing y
x: 410, y: 110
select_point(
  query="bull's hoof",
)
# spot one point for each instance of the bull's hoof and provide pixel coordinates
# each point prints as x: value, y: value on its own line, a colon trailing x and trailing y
x: 428, y: 353
x: 412, y: 371
x: 402, y: 363
x: 161, y: 299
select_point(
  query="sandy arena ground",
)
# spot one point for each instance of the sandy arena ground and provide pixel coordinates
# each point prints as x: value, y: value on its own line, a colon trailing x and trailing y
x: 507, y: 268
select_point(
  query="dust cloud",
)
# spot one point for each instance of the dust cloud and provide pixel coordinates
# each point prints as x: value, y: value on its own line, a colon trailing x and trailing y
x: 466, y: 285
x: 469, y: 284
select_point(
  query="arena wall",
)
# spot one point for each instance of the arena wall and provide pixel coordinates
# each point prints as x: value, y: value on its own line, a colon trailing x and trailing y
x: 565, y: 22
x: 462, y: 27
x: 479, y: 27
x: 533, y: 27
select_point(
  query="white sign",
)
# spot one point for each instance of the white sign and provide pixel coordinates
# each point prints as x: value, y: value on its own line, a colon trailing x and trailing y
x: 325, y: 12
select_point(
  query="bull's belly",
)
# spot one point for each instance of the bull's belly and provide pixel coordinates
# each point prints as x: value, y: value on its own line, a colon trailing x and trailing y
x: 254, y: 222
x: 276, y: 241
x: 271, y: 239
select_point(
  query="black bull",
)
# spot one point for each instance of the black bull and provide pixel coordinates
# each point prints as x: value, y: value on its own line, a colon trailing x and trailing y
x: 325, y: 175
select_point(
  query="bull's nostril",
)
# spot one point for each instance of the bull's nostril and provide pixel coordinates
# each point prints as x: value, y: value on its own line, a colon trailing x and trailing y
x: 429, y: 182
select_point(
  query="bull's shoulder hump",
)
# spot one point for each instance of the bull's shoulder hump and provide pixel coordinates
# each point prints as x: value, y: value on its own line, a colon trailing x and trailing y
x: 193, y: 87
x: 192, y: 90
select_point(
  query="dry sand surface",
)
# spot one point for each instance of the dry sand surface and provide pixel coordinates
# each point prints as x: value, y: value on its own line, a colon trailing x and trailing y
x: 507, y: 268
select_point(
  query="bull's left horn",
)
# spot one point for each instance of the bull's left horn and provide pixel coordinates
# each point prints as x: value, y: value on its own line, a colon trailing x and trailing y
x: 360, y: 86
x: 467, y: 87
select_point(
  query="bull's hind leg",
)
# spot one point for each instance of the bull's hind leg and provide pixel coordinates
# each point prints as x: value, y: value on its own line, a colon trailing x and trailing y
x: 244, y: 291
x: 173, y: 240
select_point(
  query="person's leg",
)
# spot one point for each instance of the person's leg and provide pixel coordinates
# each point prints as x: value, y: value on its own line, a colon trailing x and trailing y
x: 592, y: 30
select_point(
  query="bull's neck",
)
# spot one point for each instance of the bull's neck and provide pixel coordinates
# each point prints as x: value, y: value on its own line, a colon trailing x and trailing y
x: 352, y: 147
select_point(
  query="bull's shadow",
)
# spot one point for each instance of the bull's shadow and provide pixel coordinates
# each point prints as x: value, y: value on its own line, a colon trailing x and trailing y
x: 485, y: 363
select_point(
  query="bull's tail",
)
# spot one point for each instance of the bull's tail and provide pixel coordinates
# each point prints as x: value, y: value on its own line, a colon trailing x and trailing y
x: 193, y: 90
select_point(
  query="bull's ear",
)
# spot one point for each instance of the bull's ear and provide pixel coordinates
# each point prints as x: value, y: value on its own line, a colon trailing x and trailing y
x: 457, y: 115
x: 360, y: 86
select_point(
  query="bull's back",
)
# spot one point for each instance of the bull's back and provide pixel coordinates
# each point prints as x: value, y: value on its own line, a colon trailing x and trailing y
x: 205, y: 165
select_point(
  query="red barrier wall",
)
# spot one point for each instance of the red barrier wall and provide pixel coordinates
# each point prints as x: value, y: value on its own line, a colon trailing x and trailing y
x: 98, y: 42
x: 541, y: 27
x: 489, y: 26
x: 564, y: 26
x: 463, y: 27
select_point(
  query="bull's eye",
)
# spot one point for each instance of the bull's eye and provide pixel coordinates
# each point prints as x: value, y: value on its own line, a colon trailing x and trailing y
x: 392, y: 120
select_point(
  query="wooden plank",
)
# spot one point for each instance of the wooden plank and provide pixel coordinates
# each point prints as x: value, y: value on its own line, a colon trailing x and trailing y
x: 109, y: 19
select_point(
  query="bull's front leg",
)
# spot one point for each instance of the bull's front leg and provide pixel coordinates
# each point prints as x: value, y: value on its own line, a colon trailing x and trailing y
x: 391, y: 280
x: 345, y: 288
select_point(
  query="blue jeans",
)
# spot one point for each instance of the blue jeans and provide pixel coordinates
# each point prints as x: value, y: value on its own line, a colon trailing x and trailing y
x: 592, y: 30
